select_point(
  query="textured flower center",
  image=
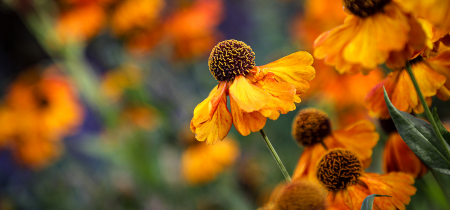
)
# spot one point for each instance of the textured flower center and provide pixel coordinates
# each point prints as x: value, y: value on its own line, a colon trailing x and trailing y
x: 311, y: 126
x: 365, y: 8
x: 301, y: 195
x: 230, y: 58
x: 339, y: 169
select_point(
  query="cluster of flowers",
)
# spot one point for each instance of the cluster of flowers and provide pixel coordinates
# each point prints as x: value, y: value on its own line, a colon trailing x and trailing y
x: 142, y: 24
x: 375, y: 32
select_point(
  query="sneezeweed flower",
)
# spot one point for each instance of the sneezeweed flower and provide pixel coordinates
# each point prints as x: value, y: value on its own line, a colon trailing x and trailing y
x: 201, y: 163
x: 432, y: 74
x: 312, y: 128
x: 375, y: 32
x: 341, y: 173
x: 398, y: 157
x: 256, y: 92
x: 298, y: 195
x: 80, y: 23
x: 39, y: 111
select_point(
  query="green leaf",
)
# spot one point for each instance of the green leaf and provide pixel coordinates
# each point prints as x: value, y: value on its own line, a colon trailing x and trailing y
x: 444, y: 132
x: 420, y: 137
x: 368, y: 201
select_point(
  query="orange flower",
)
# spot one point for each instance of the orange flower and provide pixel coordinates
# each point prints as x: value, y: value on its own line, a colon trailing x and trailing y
x: 298, y: 195
x: 398, y: 157
x: 375, y: 32
x: 308, y: 26
x: 431, y: 76
x: 193, y: 30
x: 256, y: 92
x: 80, y: 23
x: 39, y: 111
x: 341, y: 172
x: 135, y: 14
x: 329, y: 87
x: 201, y: 163
x: 312, y: 127
x: 435, y: 11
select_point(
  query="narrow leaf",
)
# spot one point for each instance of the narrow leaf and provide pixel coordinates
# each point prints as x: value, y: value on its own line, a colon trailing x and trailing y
x: 368, y: 201
x: 420, y: 137
x: 444, y: 132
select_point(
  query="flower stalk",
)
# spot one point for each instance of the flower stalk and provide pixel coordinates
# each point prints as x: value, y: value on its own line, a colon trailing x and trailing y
x: 425, y: 107
x: 275, y: 156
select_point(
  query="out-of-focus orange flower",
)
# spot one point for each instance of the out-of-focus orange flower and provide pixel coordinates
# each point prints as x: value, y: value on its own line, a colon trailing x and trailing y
x: 191, y: 30
x: 256, y: 92
x: 309, y: 25
x: 311, y: 128
x: 398, y: 157
x: 329, y: 86
x: 341, y: 172
x: 135, y: 14
x: 118, y: 80
x: 201, y: 163
x: 435, y: 11
x: 81, y: 22
x: 39, y: 111
x: 297, y: 195
x: 372, y: 34
x: 400, y: 89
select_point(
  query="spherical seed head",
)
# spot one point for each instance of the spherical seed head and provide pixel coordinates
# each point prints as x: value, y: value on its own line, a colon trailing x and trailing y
x: 365, y: 8
x: 311, y: 126
x: 230, y: 58
x: 301, y: 195
x: 339, y: 169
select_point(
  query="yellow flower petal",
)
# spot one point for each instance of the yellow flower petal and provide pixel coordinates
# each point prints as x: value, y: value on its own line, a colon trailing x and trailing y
x: 248, y: 96
x: 295, y: 69
x: 246, y: 122
x: 218, y: 126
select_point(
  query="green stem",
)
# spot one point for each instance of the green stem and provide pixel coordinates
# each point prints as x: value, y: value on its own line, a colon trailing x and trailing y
x: 425, y: 107
x: 441, y: 184
x: 275, y: 156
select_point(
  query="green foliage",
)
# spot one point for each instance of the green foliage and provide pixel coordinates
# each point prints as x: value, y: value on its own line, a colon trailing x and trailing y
x: 444, y: 132
x: 368, y: 201
x: 420, y: 137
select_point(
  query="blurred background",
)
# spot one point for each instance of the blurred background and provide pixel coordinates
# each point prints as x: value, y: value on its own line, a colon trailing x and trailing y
x: 96, y: 97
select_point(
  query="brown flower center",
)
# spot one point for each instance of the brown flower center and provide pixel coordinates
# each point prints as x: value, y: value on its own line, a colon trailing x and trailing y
x: 339, y: 169
x: 230, y: 58
x: 365, y: 8
x: 311, y: 126
x: 301, y: 195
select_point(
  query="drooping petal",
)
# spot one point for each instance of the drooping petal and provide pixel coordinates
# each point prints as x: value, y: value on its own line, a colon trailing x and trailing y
x: 205, y: 110
x: 398, y: 157
x: 435, y: 11
x: 282, y: 100
x: 441, y: 64
x: 357, y: 194
x: 295, y: 69
x: 359, y: 138
x: 401, y: 91
x: 246, y: 122
x: 339, y: 201
x: 247, y: 95
x: 215, y: 127
x: 397, y: 185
